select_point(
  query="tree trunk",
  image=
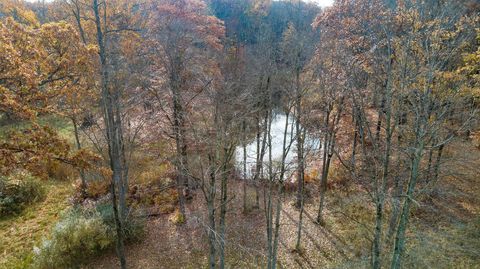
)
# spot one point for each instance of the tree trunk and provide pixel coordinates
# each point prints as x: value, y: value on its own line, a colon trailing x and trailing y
x: 323, y: 181
x: 178, y: 122
x: 123, y: 183
x: 300, y: 221
x: 211, y: 215
x: 402, y: 226
x: 277, y: 225
x: 397, y: 192
x: 83, y: 178
x: 268, y: 202
x: 379, y: 119
x: 244, y: 142
x: 223, y: 211
x: 301, y: 177
x: 259, y: 163
x: 298, y: 132
x: 429, y: 166
x: 354, y: 146
x: 76, y: 13
x: 437, y: 163
x: 211, y: 235
x: 329, y: 147
x: 381, y: 192
x: 279, y: 195
x: 113, y: 135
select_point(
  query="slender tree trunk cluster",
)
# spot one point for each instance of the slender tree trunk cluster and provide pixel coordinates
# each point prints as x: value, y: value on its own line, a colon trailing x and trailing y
x: 113, y: 124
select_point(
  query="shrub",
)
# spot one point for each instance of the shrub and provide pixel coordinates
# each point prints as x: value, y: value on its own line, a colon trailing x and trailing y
x: 74, y: 239
x: 166, y: 201
x: 97, y: 188
x: 17, y: 191
x: 177, y: 218
x: 133, y: 227
x: 60, y: 171
x: 153, y: 173
x: 163, y: 198
x: 82, y: 234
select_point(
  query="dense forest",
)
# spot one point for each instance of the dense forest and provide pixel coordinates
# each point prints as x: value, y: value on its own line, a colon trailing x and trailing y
x: 239, y: 134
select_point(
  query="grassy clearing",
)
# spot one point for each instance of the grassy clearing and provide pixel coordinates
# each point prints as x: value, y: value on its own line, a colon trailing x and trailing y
x: 19, y: 234
x: 62, y: 125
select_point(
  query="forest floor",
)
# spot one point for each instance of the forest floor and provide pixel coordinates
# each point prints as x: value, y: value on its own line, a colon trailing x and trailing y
x: 444, y: 230
x: 170, y: 246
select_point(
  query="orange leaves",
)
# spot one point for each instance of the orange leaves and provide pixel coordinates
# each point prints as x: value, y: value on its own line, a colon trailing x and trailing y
x: 32, y: 148
x: 470, y: 71
x: 18, y: 49
x: 38, y: 65
x: 41, y: 68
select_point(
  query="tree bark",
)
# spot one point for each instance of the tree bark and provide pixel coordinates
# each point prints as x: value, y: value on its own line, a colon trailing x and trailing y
x: 329, y: 148
x: 279, y: 195
x: 211, y: 214
x: 414, y: 172
x: 298, y: 132
x: 77, y: 15
x: 323, y: 181
x: 381, y: 192
x: 223, y: 212
x: 113, y: 136
x: 83, y: 178
x: 178, y: 122
x: 437, y: 163
x: 244, y: 145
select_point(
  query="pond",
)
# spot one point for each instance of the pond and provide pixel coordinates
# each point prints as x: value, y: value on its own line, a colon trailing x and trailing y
x: 279, y: 121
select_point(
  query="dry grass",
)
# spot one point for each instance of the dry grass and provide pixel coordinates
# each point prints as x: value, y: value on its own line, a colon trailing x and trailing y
x: 19, y: 234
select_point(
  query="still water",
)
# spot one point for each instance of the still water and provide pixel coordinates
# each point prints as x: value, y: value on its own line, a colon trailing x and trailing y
x: 277, y: 132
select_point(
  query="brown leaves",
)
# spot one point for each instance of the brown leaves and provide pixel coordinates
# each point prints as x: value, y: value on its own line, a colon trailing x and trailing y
x: 189, y: 20
x: 38, y: 65
x: 33, y: 147
x: 41, y: 68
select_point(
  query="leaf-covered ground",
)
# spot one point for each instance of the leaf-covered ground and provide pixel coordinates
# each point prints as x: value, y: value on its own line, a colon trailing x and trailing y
x: 444, y: 230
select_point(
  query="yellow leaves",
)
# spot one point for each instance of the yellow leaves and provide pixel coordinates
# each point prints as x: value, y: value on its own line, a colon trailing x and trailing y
x: 40, y: 65
x: 105, y: 172
x: 41, y: 68
x: 16, y: 9
x: 470, y: 72
x: 261, y: 7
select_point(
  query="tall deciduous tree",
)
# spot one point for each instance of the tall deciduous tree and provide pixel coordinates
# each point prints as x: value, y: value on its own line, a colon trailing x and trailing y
x: 183, y: 32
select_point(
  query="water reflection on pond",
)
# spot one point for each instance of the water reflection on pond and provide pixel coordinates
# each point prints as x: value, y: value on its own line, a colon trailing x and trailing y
x: 277, y: 132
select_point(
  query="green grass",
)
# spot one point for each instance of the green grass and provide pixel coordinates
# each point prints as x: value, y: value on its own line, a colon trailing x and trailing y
x: 62, y: 125
x: 19, y: 234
